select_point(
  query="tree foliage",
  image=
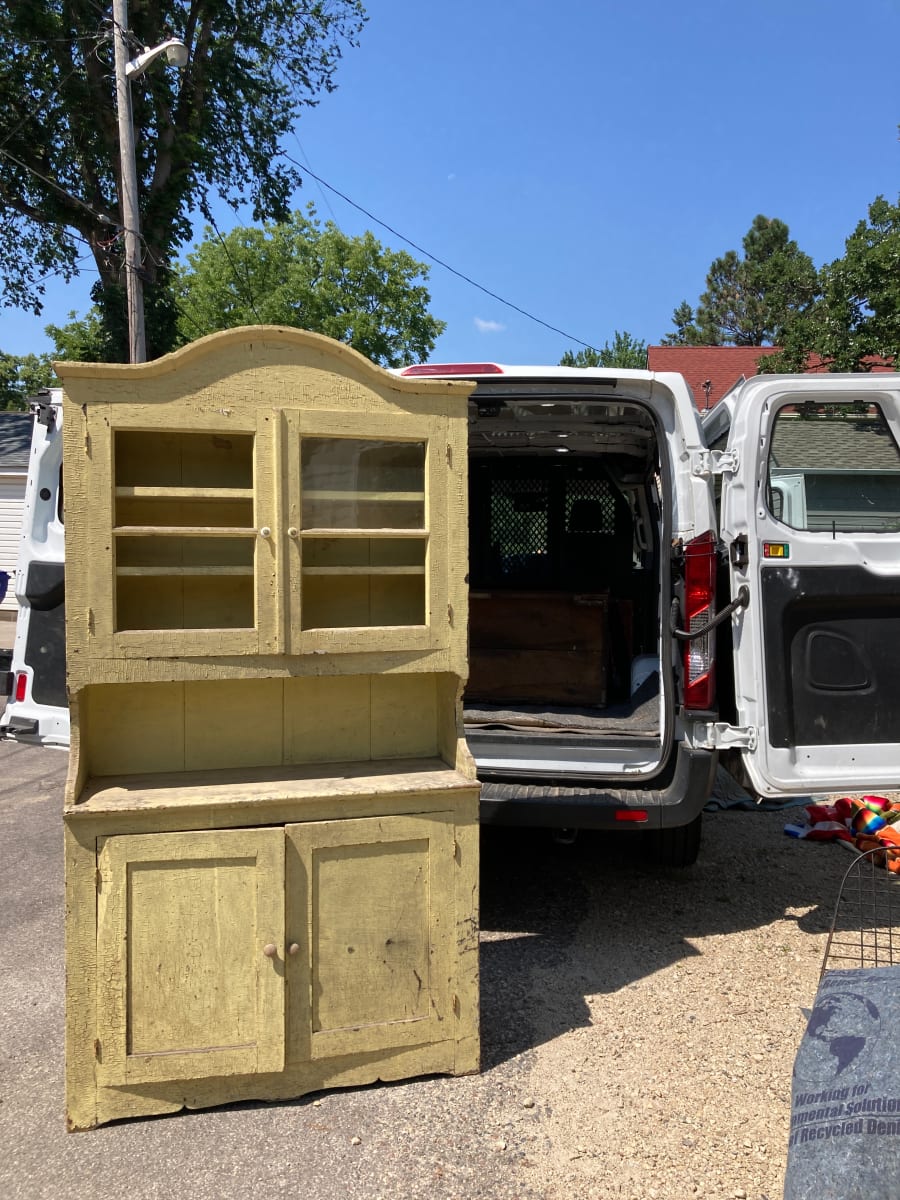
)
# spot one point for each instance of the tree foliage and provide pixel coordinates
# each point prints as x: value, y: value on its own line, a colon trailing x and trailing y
x: 750, y: 300
x: 22, y: 376
x: 303, y: 274
x: 686, y: 332
x: 857, y: 316
x: 213, y: 128
x: 626, y: 352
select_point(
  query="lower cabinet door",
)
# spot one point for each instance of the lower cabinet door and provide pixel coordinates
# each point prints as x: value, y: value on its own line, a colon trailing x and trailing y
x: 371, y: 920
x: 190, y: 943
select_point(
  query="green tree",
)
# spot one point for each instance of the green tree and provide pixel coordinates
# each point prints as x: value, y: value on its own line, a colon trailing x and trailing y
x: 626, y: 352
x: 84, y: 339
x: 303, y: 274
x: 22, y: 376
x: 751, y: 300
x: 686, y: 332
x: 213, y: 128
x: 858, y: 316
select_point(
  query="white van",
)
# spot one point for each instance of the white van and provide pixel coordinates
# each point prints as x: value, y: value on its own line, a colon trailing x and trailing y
x: 642, y: 599
x: 646, y: 593
x: 37, y: 709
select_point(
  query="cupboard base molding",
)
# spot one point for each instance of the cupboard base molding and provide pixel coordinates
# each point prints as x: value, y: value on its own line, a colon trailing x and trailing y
x: 114, y: 1104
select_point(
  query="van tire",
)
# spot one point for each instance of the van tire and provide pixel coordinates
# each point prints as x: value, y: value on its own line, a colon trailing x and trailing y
x: 676, y: 847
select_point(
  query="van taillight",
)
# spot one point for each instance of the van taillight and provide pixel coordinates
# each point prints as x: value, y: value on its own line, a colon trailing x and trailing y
x: 699, y: 610
x: 21, y: 686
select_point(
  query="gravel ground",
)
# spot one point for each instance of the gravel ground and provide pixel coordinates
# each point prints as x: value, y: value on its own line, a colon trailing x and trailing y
x: 664, y: 1009
x: 638, y: 1029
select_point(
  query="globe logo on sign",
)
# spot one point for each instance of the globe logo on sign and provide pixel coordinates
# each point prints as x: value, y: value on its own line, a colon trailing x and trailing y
x: 840, y: 1027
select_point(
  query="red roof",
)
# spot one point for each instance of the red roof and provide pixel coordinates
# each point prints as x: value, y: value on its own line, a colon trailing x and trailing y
x: 711, y: 371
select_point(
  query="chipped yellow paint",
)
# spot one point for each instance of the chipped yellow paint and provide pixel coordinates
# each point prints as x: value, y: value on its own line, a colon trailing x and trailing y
x: 271, y: 813
x: 185, y: 987
x: 379, y: 968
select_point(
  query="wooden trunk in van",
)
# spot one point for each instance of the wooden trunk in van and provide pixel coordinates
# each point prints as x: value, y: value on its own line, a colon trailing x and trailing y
x: 538, y: 648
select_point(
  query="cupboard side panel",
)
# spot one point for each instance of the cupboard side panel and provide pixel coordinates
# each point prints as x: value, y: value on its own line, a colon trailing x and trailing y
x: 466, y: 1010
x: 81, y: 977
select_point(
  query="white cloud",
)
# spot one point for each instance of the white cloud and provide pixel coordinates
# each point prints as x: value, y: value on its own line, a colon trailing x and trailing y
x: 489, y: 326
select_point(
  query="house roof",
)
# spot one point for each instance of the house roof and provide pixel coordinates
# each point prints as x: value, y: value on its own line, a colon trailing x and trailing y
x: 722, y: 366
x: 15, y: 441
x: 834, y: 443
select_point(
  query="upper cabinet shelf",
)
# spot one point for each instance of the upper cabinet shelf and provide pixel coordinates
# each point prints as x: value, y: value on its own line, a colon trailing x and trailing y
x: 314, y: 494
x: 183, y: 493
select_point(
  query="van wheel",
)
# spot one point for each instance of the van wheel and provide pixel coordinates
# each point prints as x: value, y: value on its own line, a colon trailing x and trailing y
x: 676, y: 847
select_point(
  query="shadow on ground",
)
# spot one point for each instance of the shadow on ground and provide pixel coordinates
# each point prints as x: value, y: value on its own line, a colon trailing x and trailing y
x: 597, y: 916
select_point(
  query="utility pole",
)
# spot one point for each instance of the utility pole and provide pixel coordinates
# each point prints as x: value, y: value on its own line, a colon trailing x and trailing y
x: 134, y: 290
x: 127, y: 69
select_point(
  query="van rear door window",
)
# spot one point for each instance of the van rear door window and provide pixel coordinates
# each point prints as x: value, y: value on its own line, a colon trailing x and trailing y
x: 834, y: 468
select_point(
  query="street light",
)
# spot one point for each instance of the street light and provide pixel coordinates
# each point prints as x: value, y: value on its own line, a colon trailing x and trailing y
x: 177, y: 53
x: 174, y: 49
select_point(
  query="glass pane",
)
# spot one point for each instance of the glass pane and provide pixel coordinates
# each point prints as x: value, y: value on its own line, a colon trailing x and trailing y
x: 834, y: 468
x: 362, y: 601
x: 363, y: 552
x: 352, y: 483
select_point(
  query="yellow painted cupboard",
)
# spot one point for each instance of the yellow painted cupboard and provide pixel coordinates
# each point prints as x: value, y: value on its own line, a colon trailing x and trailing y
x: 270, y: 815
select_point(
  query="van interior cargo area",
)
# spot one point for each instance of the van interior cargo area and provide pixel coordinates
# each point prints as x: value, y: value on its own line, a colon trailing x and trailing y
x: 565, y: 566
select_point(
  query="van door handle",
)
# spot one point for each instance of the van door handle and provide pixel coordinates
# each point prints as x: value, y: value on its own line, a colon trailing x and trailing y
x: 742, y: 600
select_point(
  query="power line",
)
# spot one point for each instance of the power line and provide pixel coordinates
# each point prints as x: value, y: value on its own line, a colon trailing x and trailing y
x: 101, y: 217
x: 321, y: 193
x: 193, y: 320
x: 249, y: 295
x: 37, y: 111
x: 61, y: 270
x: 82, y: 37
x: 434, y: 258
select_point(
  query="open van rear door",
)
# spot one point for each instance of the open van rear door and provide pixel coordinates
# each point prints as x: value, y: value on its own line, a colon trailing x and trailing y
x: 810, y: 520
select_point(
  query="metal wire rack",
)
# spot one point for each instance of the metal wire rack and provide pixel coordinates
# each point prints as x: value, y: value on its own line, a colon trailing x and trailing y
x: 865, y: 927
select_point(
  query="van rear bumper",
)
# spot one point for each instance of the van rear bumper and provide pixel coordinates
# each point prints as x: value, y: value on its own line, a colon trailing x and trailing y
x: 680, y: 795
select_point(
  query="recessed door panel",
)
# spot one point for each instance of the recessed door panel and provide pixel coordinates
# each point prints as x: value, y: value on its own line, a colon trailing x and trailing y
x: 377, y: 906
x: 186, y: 988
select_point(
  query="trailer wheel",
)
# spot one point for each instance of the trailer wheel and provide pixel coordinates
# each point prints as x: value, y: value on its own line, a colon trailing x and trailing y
x: 677, y: 847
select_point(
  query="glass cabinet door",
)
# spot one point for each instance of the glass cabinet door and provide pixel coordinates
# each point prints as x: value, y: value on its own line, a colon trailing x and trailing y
x: 368, y: 565
x: 190, y: 541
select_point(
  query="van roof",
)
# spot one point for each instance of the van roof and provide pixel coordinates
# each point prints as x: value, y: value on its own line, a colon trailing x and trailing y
x: 492, y: 370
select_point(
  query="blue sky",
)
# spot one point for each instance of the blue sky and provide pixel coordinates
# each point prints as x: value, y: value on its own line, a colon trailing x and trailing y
x: 587, y: 161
